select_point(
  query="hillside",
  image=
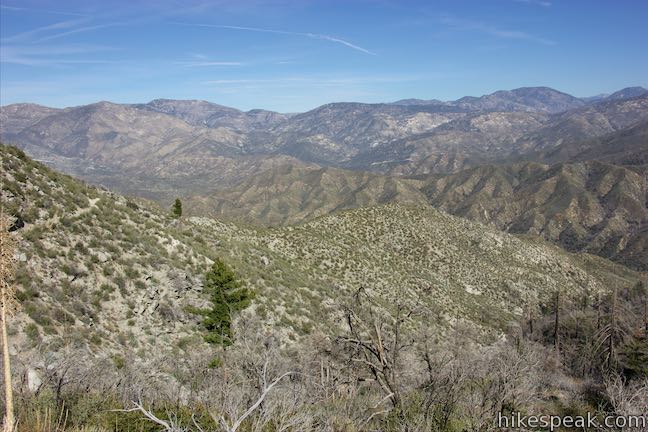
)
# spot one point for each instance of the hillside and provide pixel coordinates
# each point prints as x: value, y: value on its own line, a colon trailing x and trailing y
x: 97, y: 272
x: 202, y: 113
x: 581, y: 124
x: 102, y: 273
x: 624, y: 147
x: 338, y: 134
x: 468, y: 141
x: 628, y: 92
x: 293, y: 193
x: 588, y: 206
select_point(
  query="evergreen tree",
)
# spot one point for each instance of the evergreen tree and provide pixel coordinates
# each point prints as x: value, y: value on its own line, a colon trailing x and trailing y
x: 177, y: 208
x: 227, y: 297
x: 634, y: 358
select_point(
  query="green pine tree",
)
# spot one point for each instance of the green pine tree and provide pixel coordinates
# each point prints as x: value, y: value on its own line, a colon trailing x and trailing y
x: 634, y: 358
x: 227, y: 297
x: 177, y: 208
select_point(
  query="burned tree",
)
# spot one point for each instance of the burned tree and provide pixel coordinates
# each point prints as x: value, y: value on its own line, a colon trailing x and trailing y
x: 376, y: 342
x: 7, y: 307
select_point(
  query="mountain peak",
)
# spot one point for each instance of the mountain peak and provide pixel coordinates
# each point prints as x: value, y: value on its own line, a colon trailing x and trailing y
x: 628, y: 92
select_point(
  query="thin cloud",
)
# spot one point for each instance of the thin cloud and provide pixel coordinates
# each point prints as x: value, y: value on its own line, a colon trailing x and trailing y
x: 467, y: 25
x: 264, y: 30
x: 338, y: 40
x: 208, y: 63
x: 31, y: 61
x: 70, y: 27
x: 81, y: 30
x: 51, y: 55
x: 235, y: 81
x: 535, y: 2
x: 44, y: 11
x: 32, y: 47
x: 199, y: 56
x: 309, y: 81
x: 35, y: 32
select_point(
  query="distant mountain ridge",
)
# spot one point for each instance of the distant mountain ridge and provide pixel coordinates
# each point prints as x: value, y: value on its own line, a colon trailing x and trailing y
x: 543, y: 99
x: 151, y: 139
x: 202, y: 113
x: 628, y: 92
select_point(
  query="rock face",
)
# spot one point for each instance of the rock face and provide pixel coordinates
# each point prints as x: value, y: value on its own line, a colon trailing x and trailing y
x: 108, y: 275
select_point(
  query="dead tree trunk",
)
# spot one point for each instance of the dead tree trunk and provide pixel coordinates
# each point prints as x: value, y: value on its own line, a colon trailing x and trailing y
x: 376, y: 343
x: 645, y: 293
x: 7, y: 304
x: 598, y: 311
x: 556, y: 333
x: 613, y: 329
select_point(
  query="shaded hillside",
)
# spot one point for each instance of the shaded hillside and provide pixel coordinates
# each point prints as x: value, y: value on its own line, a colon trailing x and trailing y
x: 185, y: 177
x: 587, y: 206
x: 625, y: 147
x: 588, y: 122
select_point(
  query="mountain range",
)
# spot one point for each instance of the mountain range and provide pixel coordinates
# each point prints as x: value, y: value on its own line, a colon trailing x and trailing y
x: 530, y: 160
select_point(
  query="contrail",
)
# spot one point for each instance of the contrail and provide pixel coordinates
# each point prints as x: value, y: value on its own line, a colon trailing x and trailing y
x: 263, y: 30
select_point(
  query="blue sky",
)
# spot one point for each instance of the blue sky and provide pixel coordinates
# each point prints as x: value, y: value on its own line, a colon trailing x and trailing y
x: 292, y: 56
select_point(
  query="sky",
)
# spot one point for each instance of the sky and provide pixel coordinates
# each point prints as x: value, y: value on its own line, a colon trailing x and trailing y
x: 294, y: 55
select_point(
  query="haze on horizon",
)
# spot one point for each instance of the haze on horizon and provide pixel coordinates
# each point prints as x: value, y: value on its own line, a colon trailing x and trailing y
x: 292, y: 56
